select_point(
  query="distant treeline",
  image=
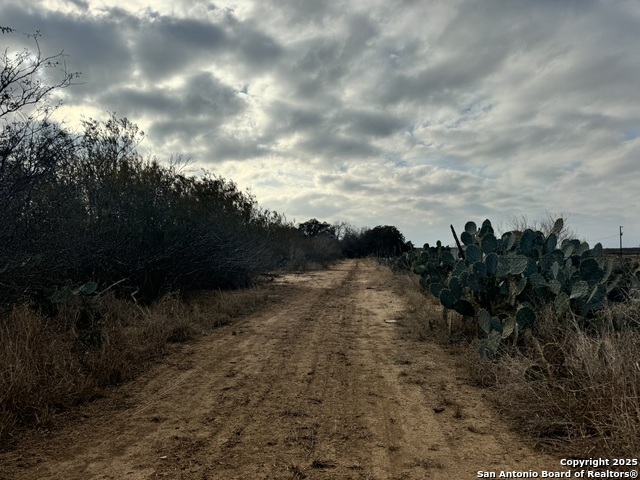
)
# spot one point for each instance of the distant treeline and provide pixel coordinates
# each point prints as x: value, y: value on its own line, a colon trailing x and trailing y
x: 625, y: 252
x: 381, y: 241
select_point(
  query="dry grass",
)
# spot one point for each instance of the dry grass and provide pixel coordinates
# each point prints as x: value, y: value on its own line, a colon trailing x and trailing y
x: 424, y: 317
x: 219, y: 308
x: 585, y: 395
x: 422, y: 312
x: 39, y: 373
x: 50, y: 364
x: 574, y: 390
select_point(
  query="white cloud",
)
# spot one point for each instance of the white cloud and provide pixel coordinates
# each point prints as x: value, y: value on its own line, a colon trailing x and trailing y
x: 416, y: 114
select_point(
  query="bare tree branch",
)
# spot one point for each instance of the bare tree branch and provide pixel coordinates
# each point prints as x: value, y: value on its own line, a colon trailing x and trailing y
x: 20, y: 82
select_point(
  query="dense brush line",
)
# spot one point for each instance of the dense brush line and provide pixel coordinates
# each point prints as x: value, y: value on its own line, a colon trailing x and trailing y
x: 89, y: 207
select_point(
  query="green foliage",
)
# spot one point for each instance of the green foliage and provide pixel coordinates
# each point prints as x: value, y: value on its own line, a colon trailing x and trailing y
x: 503, y: 282
x: 380, y: 241
x: 313, y: 228
x: 91, y: 207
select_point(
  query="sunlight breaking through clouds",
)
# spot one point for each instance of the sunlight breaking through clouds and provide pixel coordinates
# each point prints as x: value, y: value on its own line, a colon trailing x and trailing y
x: 414, y: 114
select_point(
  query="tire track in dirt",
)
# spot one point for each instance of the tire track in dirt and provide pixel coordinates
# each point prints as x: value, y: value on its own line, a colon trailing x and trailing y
x: 316, y: 386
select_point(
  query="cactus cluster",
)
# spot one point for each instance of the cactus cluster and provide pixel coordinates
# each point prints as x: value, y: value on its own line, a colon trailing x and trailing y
x: 404, y: 263
x: 501, y: 282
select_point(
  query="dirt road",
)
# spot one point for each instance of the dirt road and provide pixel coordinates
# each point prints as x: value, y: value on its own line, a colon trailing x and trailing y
x: 317, y: 385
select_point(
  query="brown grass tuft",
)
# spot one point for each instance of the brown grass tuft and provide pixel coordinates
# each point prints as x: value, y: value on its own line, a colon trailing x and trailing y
x: 50, y: 364
x: 39, y: 372
x: 421, y: 314
x: 576, y: 389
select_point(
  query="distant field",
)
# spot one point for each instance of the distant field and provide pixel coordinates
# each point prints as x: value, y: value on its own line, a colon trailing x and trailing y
x: 626, y: 252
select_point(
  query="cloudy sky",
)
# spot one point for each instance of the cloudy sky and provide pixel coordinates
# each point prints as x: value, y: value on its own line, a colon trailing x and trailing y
x: 411, y: 113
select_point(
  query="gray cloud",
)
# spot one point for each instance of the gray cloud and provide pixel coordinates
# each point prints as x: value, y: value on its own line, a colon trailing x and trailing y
x: 287, y: 118
x: 96, y: 47
x: 167, y: 46
x: 258, y: 49
x: 335, y: 147
x: 227, y: 147
x: 418, y: 114
x: 372, y: 123
x: 182, y: 115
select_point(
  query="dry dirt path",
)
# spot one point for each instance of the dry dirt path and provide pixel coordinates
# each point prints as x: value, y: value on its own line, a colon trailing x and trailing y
x: 317, y: 386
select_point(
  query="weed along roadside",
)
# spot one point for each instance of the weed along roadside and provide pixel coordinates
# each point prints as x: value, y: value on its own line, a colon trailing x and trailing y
x: 314, y: 383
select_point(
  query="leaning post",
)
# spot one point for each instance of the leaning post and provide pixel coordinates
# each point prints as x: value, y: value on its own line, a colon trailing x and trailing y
x: 455, y: 236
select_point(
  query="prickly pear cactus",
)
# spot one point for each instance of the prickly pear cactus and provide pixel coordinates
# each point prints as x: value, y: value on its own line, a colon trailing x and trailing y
x: 502, y: 282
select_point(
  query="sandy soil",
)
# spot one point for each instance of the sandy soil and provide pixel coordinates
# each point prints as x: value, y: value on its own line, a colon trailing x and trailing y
x: 318, y: 385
